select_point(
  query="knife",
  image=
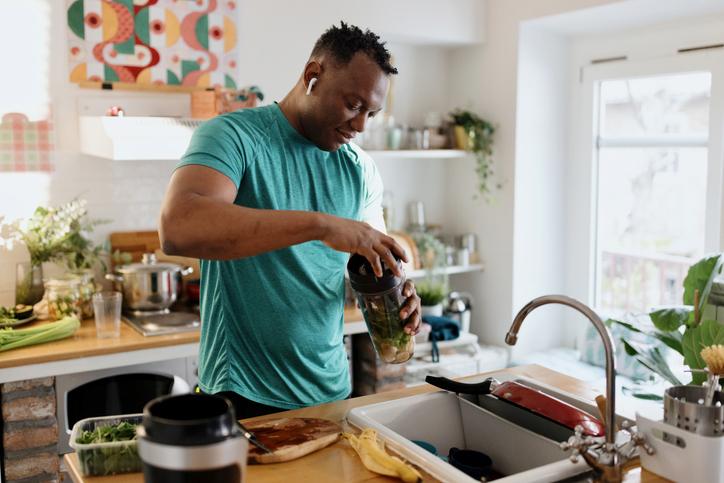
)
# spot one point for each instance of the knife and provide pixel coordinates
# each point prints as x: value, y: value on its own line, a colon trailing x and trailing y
x: 253, y: 439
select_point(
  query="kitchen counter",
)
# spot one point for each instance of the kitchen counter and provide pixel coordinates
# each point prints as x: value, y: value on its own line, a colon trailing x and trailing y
x: 84, y: 350
x: 339, y: 462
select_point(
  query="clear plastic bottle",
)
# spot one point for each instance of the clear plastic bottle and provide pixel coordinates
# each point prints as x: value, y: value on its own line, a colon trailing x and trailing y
x: 380, y: 300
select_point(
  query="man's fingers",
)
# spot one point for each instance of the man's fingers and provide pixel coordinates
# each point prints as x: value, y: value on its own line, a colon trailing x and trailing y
x: 413, y: 326
x: 409, y: 288
x: 386, y: 256
x: 373, y: 257
x: 396, y: 248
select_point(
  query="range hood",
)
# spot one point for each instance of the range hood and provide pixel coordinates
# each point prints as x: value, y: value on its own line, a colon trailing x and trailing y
x: 135, y: 138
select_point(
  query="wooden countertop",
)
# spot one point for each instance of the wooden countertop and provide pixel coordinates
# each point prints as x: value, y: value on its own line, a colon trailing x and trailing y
x: 84, y: 343
x: 339, y: 462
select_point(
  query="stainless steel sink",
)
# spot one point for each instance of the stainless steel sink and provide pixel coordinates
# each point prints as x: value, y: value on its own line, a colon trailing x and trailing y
x: 445, y: 420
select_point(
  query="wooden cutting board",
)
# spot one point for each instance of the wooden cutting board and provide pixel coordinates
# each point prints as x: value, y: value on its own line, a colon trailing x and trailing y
x: 291, y: 438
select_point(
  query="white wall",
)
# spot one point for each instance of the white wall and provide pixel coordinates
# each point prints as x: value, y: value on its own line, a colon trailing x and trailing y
x: 485, y: 78
x: 540, y: 155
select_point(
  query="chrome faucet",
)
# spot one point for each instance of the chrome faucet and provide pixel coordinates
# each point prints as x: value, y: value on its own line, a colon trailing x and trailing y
x: 604, y: 457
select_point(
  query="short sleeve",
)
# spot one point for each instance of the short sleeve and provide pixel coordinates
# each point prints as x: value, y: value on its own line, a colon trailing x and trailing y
x: 221, y: 144
x: 371, y: 211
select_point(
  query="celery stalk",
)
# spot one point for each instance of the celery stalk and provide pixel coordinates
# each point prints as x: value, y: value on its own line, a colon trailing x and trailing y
x: 14, y: 338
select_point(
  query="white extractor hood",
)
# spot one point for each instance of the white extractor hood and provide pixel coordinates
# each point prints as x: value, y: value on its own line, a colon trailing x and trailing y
x: 135, y: 138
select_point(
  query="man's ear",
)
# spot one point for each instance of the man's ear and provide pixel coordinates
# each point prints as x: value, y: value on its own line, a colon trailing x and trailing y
x: 312, y: 71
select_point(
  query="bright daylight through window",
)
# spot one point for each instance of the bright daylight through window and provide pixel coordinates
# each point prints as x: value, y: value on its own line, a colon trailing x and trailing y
x: 651, y: 187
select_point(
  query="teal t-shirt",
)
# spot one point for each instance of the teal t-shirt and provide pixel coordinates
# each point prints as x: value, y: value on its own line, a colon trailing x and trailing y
x: 272, y: 324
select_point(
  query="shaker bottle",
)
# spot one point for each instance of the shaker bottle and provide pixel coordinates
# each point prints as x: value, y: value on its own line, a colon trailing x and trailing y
x: 381, y: 300
x: 191, y: 438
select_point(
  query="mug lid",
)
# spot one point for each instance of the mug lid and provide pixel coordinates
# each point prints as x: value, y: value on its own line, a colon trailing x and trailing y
x: 189, y: 419
x: 363, y: 279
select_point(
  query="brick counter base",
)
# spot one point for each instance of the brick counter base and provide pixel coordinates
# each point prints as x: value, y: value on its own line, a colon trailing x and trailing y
x: 371, y: 375
x: 30, y: 431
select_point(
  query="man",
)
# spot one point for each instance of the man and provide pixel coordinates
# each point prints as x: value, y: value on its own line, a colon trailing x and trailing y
x: 273, y: 200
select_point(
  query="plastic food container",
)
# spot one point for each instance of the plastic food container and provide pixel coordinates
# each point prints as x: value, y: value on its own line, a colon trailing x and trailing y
x: 380, y: 300
x: 99, y: 459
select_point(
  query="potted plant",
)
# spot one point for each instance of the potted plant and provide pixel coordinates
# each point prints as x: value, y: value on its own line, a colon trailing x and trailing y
x: 686, y: 329
x: 431, y: 295
x: 475, y: 134
x: 54, y: 235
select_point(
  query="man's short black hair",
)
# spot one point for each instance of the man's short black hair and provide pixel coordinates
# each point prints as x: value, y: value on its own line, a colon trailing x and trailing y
x: 346, y: 40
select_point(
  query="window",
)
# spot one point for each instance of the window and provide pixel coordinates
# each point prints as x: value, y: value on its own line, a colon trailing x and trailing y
x: 651, y: 151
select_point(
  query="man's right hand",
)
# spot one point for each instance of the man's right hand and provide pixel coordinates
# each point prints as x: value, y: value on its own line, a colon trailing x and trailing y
x: 359, y: 237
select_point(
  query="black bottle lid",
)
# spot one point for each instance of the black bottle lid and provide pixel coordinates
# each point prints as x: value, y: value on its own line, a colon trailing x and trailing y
x: 362, y: 276
x: 189, y: 419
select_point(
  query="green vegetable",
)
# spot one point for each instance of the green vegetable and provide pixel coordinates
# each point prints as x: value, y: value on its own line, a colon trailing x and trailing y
x: 12, y: 314
x: 110, y: 456
x: 122, y: 431
x: 14, y: 338
x: 386, y: 328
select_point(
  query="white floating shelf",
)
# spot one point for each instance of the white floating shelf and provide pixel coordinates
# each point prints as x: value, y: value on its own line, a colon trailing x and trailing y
x: 451, y: 270
x: 135, y: 138
x: 418, y: 154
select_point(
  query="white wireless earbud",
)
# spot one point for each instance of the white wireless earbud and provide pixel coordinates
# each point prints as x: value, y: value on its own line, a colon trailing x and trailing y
x: 311, y: 84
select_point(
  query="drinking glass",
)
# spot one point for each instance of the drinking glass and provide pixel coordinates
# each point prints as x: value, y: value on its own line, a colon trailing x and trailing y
x: 107, y: 308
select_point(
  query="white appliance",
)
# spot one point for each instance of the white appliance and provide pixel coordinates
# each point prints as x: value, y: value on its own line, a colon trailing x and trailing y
x: 118, y: 390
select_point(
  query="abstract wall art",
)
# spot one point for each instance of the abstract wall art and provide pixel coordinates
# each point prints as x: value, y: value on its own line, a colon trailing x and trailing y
x: 184, y: 43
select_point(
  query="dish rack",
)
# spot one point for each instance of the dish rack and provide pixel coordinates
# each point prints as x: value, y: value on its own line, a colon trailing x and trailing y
x: 681, y: 455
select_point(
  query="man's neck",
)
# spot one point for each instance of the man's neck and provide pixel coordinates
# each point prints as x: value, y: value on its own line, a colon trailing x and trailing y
x: 290, y: 108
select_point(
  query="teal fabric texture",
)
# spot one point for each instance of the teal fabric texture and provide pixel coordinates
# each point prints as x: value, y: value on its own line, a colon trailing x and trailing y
x: 272, y: 324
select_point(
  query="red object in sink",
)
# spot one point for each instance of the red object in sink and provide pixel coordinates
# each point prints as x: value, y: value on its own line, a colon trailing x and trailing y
x: 548, y: 407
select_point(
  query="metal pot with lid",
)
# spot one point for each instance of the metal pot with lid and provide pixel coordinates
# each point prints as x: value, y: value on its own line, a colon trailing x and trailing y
x: 148, y: 286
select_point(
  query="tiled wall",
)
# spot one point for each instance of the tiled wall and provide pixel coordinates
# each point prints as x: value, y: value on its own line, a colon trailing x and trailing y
x: 127, y: 193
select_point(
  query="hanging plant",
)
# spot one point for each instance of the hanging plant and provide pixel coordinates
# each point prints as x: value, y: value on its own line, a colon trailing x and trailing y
x: 476, y: 135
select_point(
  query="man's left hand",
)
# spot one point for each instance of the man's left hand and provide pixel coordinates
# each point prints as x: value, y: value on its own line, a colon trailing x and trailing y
x: 410, y: 311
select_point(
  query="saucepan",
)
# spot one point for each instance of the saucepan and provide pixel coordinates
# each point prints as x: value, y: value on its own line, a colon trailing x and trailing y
x: 149, y: 285
x: 524, y: 406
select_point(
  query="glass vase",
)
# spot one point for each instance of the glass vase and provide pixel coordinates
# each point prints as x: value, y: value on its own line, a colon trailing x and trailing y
x: 29, y: 287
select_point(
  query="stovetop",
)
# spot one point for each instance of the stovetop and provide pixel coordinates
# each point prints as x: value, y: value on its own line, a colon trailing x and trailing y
x: 163, y: 323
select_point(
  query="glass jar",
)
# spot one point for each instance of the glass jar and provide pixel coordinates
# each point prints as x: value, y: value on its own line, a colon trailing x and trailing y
x: 87, y: 289
x: 381, y: 300
x: 63, y: 296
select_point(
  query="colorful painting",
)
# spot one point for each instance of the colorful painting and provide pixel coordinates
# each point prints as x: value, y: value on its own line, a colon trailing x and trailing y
x: 187, y: 43
x: 25, y: 145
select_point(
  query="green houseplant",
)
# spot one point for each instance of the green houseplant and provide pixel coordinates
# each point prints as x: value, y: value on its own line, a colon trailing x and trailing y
x: 476, y: 135
x: 681, y: 328
x: 54, y: 234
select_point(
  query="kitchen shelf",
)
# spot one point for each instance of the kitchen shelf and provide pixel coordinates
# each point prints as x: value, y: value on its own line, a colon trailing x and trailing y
x: 418, y: 154
x: 451, y: 270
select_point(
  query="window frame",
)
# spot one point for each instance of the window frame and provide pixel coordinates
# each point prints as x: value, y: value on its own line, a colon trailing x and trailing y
x: 585, y: 143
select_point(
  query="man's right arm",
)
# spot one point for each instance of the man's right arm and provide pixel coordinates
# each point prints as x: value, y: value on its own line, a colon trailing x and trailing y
x: 199, y: 219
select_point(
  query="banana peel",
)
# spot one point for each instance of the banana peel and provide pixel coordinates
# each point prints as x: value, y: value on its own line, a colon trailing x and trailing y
x: 376, y: 458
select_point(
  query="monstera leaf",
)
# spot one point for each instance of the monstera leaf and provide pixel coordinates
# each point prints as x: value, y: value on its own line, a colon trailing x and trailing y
x: 708, y: 333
